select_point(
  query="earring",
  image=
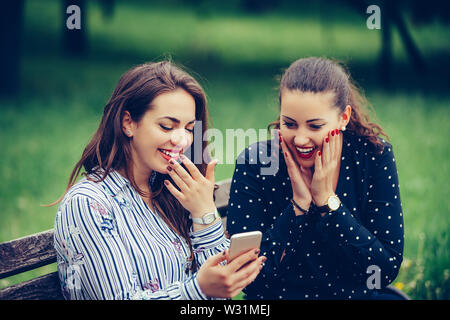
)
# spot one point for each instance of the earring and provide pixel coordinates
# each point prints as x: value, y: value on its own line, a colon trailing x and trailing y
x: 343, y: 128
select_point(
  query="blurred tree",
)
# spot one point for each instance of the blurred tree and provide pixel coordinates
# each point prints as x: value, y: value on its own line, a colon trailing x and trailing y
x: 108, y: 7
x: 391, y: 16
x: 11, y: 24
x: 74, y: 40
x: 428, y: 11
x: 258, y: 6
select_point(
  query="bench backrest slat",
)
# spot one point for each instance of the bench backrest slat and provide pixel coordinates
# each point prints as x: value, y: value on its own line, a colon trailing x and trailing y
x: 46, y: 287
x: 26, y: 253
x: 222, y: 194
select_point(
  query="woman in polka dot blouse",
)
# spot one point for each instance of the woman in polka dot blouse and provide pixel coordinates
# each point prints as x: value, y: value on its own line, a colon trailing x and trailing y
x: 331, y: 215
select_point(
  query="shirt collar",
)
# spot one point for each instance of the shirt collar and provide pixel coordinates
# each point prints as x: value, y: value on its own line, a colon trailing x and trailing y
x: 114, y: 181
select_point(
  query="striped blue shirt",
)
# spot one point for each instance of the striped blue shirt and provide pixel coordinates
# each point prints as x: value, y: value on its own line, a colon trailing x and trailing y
x: 110, y: 245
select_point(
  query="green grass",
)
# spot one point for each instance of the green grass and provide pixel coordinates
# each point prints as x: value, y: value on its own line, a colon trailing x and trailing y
x: 236, y: 57
x: 420, y: 134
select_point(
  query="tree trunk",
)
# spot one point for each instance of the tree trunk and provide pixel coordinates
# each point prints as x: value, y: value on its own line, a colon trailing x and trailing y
x: 11, y: 24
x: 386, y: 44
x: 74, y: 41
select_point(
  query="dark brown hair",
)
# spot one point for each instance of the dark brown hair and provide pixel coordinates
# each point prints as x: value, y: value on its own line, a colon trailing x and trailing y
x: 322, y: 75
x: 110, y: 147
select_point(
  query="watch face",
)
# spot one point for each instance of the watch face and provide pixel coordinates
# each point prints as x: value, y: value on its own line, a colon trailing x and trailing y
x: 334, y: 203
x: 209, y: 218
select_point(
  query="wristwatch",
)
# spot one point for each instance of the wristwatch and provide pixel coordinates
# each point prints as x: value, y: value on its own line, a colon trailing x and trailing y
x: 333, y: 204
x: 208, y: 218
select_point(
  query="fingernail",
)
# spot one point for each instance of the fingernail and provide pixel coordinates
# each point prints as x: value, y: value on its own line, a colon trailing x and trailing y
x: 171, y: 161
x: 166, y: 182
x: 257, y: 251
x: 264, y: 259
x: 319, y: 153
x: 223, y: 253
x: 285, y: 154
x: 326, y: 140
x: 332, y: 133
x: 169, y: 169
x: 337, y: 131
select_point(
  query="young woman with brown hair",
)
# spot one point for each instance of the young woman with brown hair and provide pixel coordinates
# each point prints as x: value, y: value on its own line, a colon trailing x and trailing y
x: 331, y: 215
x: 142, y: 223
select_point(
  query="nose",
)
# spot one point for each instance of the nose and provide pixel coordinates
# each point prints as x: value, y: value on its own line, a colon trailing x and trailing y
x: 301, y: 139
x: 180, y: 139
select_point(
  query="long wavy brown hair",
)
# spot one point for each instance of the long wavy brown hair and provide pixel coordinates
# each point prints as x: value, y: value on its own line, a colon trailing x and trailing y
x: 109, y: 148
x: 322, y: 75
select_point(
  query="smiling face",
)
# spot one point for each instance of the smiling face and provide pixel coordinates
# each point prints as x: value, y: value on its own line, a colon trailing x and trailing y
x: 164, y: 132
x: 305, y: 119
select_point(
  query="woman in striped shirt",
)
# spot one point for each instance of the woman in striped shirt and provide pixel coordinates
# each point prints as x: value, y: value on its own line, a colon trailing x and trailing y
x: 142, y: 223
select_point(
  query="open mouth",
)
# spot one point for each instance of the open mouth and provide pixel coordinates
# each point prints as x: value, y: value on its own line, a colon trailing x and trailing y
x: 306, y: 153
x: 170, y: 154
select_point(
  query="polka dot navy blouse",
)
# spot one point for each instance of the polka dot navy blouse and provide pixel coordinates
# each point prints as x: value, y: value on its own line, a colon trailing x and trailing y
x: 314, y: 257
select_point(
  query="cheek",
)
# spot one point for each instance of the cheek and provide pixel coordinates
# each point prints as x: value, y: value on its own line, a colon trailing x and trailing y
x: 150, y: 141
x: 318, y: 139
x: 190, y: 139
x: 159, y: 138
x: 286, y: 134
x: 324, y: 133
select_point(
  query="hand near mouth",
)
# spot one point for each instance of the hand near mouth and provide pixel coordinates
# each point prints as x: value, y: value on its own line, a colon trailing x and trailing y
x: 300, y: 180
x: 195, y: 190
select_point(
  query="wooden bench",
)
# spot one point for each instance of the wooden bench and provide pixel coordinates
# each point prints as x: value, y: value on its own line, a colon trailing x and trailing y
x: 34, y: 251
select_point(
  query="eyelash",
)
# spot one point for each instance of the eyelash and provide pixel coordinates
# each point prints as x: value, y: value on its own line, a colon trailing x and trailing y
x: 168, y: 129
x: 312, y: 126
x: 288, y: 124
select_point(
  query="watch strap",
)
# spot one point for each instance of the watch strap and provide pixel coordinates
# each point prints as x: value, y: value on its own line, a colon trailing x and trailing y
x: 326, y: 207
x: 322, y: 209
x: 202, y: 219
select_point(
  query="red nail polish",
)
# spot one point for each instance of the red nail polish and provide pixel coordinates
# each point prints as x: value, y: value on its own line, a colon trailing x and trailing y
x: 169, y: 169
x: 326, y: 140
x: 337, y: 131
x: 319, y: 153
x: 332, y: 133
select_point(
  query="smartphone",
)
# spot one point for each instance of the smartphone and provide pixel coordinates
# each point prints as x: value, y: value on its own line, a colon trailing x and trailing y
x: 243, y: 242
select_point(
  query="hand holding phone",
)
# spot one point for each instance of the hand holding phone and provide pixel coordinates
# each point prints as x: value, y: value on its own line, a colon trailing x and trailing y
x: 227, y: 280
x: 243, y: 242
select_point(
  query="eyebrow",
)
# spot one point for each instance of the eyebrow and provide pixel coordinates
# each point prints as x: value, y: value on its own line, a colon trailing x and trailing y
x: 307, y: 121
x: 175, y: 119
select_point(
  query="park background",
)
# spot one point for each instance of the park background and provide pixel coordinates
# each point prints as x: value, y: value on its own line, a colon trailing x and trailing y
x: 55, y: 83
